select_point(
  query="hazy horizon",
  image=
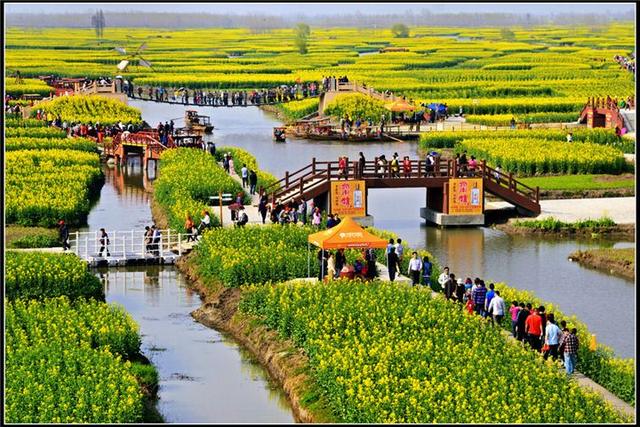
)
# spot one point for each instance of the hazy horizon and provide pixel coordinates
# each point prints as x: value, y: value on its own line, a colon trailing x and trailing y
x: 312, y: 9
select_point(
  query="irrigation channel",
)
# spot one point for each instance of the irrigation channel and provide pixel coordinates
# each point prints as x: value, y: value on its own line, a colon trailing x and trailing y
x: 206, y: 377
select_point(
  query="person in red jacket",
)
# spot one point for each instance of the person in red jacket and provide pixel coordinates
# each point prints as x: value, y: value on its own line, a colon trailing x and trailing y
x: 533, y: 328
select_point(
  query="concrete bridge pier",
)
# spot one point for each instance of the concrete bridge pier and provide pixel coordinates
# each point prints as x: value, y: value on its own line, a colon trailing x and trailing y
x: 437, y: 210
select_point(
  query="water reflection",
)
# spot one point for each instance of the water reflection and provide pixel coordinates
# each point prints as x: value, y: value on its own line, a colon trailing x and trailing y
x: 200, y: 379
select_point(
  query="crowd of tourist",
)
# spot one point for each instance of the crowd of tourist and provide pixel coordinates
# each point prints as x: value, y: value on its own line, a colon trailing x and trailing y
x: 530, y: 325
x: 627, y: 63
x: 230, y: 98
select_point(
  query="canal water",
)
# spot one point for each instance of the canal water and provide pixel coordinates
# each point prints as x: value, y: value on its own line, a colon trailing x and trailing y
x: 605, y: 303
x: 205, y: 377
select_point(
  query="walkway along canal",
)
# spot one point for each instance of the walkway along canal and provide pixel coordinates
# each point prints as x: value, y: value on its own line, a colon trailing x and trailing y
x: 603, y: 302
x: 204, y: 376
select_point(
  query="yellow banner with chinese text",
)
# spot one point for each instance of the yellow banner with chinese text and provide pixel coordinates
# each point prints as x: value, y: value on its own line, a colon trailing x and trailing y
x: 348, y: 198
x: 465, y: 196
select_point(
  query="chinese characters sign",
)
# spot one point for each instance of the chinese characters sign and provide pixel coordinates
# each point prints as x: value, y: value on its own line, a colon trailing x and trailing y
x: 465, y: 196
x: 348, y: 198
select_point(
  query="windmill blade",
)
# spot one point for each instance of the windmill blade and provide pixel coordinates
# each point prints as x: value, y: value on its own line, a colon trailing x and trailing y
x: 144, y: 63
x: 142, y: 47
x: 123, y: 65
x: 121, y: 50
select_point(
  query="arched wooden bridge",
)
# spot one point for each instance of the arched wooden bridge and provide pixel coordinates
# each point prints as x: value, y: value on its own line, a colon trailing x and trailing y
x: 314, y: 180
x: 145, y: 144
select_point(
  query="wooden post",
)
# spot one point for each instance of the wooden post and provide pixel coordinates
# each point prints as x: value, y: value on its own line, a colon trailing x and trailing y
x: 179, y: 244
x: 329, y: 171
x: 510, y: 180
x: 220, y: 201
x: 313, y: 166
x: 445, y: 198
x: 286, y: 179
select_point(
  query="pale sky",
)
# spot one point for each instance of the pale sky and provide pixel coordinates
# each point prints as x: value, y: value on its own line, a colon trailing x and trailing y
x: 288, y: 9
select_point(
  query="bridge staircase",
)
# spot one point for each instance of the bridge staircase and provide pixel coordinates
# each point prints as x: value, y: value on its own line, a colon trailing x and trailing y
x: 314, y: 180
x: 602, y: 112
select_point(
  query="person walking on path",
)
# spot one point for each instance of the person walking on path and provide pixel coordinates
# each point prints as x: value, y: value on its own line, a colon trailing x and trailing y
x: 302, y: 211
x: 490, y: 294
x: 450, y: 286
x: 253, y: 182
x: 479, y: 296
x: 513, y: 311
x: 533, y: 328
x: 460, y: 289
x: 392, y: 263
x: 205, y: 222
x: 523, y: 313
x: 157, y: 236
x: 331, y: 267
x: 415, y: 266
x: 399, y: 250
x: 427, y: 267
x: 361, y: 163
x: 263, y: 207
x: 497, y: 308
x: 232, y: 169
x: 444, y: 276
x: 552, y: 338
x: 104, y: 242
x: 188, y: 225
x: 390, y: 246
x: 63, y: 231
x: 244, y: 173
x: 317, y: 218
x: 570, y: 343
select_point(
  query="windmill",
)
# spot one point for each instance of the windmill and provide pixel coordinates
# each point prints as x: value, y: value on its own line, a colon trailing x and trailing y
x: 131, y: 57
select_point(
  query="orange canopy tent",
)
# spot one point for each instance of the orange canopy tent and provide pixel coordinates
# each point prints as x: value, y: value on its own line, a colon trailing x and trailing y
x: 399, y: 106
x: 348, y: 234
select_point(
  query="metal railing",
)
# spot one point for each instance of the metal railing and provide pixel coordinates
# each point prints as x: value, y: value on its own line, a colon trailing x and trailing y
x: 124, y: 244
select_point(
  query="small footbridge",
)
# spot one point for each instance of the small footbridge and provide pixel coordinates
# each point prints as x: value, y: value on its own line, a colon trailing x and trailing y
x: 313, y: 181
x: 145, y: 144
x: 129, y: 247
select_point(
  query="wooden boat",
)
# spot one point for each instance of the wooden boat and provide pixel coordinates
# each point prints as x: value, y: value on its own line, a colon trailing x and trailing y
x: 197, y: 122
x: 279, y: 134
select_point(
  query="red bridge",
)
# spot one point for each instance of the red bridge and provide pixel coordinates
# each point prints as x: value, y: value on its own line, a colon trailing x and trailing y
x: 602, y: 112
x: 145, y: 144
x: 314, y: 181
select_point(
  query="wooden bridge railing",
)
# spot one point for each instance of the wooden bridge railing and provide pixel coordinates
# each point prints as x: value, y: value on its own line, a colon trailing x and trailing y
x: 311, y: 177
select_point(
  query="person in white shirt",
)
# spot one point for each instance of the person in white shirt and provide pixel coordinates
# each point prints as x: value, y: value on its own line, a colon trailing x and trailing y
x: 552, y: 334
x: 442, y: 279
x: 245, y: 176
x: 415, y: 266
x: 497, y: 308
x: 399, y: 250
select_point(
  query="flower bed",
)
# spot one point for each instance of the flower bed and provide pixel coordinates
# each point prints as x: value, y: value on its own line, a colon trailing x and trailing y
x: 89, y: 109
x: 382, y: 353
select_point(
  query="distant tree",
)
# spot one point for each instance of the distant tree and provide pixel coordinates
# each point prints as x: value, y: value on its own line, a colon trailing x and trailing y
x: 507, y: 34
x: 302, y: 38
x: 97, y: 21
x: 400, y: 30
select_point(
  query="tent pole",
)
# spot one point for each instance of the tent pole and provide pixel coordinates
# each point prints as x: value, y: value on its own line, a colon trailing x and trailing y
x: 308, y: 261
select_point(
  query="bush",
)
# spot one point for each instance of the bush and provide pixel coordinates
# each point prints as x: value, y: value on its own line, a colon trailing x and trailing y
x: 356, y: 106
x: 186, y: 179
x: 255, y: 254
x: 40, y: 275
x: 28, y: 143
x: 63, y: 363
x: 89, y: 109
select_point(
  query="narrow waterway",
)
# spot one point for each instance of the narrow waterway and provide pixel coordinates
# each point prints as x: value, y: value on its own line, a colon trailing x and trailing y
x: 205, y: 377
x: 605, y: 303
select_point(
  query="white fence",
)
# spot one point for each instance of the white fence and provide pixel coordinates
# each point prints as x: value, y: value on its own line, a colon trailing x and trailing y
x: 127, y: 244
